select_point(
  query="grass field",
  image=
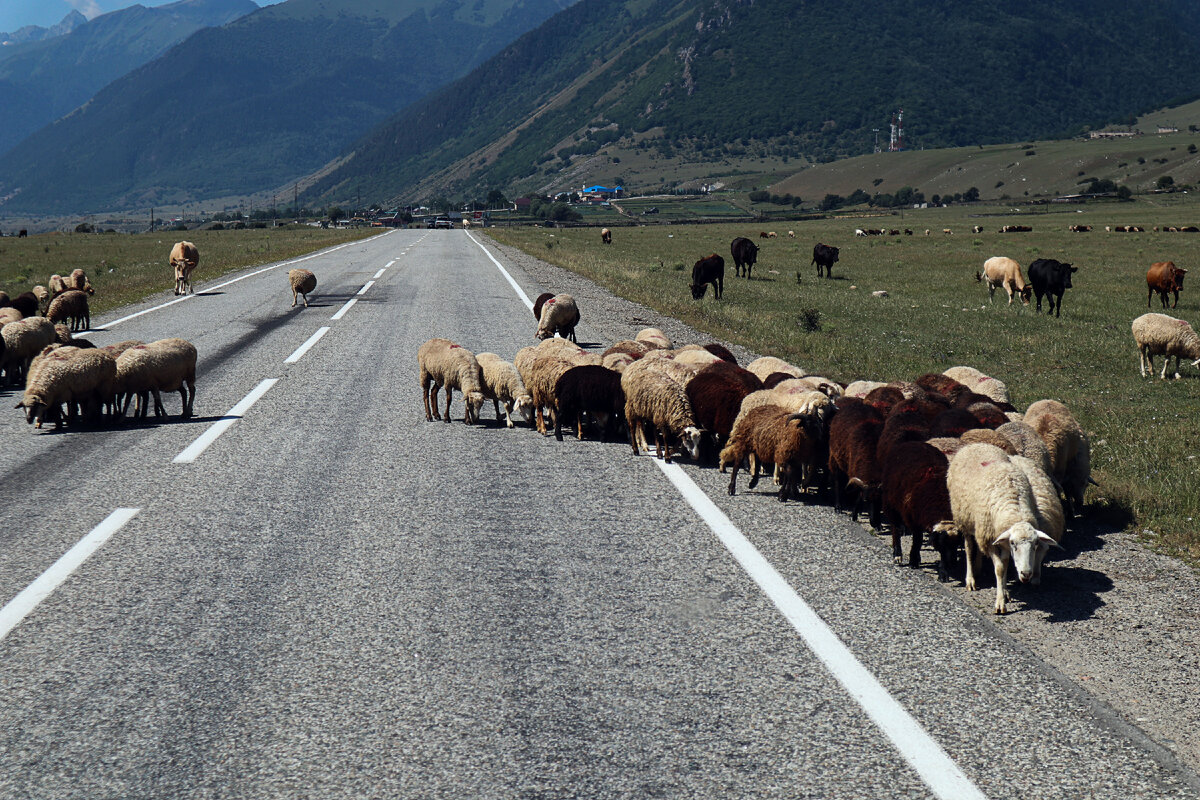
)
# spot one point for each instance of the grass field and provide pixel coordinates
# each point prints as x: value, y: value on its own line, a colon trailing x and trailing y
x: 1145, y: 433
x: 124, y: 268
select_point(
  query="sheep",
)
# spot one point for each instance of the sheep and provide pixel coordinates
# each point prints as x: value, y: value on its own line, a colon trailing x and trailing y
x: 853, y: 440
x: 184, y: 258
x: 696, y: 357
x: 722, y: 352
x: 78, y: 280
x: 652, y: 397
x: 441, y: 362
x: 1050, y: 517
x: 884, y: 398
x: 762, y: 367
x: 302, y: 282
x: 617, y: 361
x: 664, y: 361
x: 58, y: 285
x: 591, y: 388
x: 1070, y: 449
x: 23, y: 340
x: 539, y: 302
x: 67, y: 375
x: 71, y: 305
x: 630, y: 347
x: 167, y: 365
x: 995, y: 512
x: 653, y: 338
x: 606, y: 236
x: 861, y: 388
x: 502, y: 383
x: 953, y: 422
x: 716, y: 395
x: 771, y: 434
x: 915, y: 498
x: 1159, y: 334
x: 976, y: 381
x: 544, y: 373
x: 10, y: 314
x: 1026, y: 442
x: 560, y: 314
x: 5, y: 300
x: 43, y: 297
x: 26, y: 303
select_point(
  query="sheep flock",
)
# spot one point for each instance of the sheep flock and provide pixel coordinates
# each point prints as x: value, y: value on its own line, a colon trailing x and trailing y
x: 944, y: 458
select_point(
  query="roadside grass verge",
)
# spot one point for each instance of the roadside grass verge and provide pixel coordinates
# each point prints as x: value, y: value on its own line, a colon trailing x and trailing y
x: 1145, y: 433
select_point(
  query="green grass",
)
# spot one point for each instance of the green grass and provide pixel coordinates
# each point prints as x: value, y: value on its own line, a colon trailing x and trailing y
x: 125, y: 268
x: 1145, y: 433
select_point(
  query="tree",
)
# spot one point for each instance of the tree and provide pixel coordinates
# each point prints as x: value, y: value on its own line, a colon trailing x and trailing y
x: 496, y: 198
x: 971, y: 195
x: 1166, y: 182
x: 336, y: 213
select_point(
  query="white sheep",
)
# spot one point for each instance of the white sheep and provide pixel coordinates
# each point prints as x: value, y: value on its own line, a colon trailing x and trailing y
x: 58, y: 285
x: 502, y: 384
x: 560, y: 314
x: 1050, y: 517
x: 1027, y: 443
x: 167, y: 365
x: 9, y: 314
x: 302, y: 282
x: 654, y: 398
x: 442, y: 363
x: 695, y: 356
x: 654, y: 338
x: 1069, y: 447
x: 976, y: 381
x: 71, y: 305
x: 1161, y: 335
x: 861, y: 389
x: 68, y: 375
x: 43, y: 297
x: 78, y: 280
x: 765, y: 366
x: 23, y: 340
x: 996, y: 513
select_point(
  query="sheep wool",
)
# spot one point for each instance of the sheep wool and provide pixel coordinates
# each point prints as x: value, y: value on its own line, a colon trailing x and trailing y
x: 1069, y: 447
x: 43, y: 297
x: 442, y: 363
x: 1162, y: 335
x: 167, y: 365
x: 23, y: 340
x: 560, y: 314
x: 976, y: 381
x: 71, y: 305
x: 653, y: 338
x: 762, y: 367
x: 774, y: 435
x: 302, y: 282
x: 502, y: 384
x: 67, y: 375
x: 78, y: 280
x: 652, y: 397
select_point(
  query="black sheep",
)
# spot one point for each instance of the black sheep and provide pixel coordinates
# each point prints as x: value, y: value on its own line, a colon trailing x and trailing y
x: 916, y: 499
x: 853, y: 439
x: 716, y: 394
x: 594, y: 389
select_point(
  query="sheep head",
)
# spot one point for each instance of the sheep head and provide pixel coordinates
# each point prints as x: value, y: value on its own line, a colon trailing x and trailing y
x: 1027, y: 546
x: 473, y: 402
x: 690, y: 439
x: 523, y: 405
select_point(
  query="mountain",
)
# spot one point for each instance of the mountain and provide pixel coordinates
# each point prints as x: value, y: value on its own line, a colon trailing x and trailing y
x: 255, y: 103
x: 709, y: 85
x: 36, y: 33
x: 41, y: 81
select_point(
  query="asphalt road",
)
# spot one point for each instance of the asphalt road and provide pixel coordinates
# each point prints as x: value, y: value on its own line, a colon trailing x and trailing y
x: 336, y: 598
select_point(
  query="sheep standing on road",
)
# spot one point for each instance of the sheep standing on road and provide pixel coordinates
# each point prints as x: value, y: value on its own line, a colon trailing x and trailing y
x: 560, y: 314
x: 654, y: 398
x: 775, y: 435
x: 1161, y: 335
x: 78, y: 280
x: 442, y: 363
x: 184, y: 258
x: 302, y: 282
x: 68, y: 375
x: 167, y: 365
x: 1069, y: 447
x: 996, y: 513
x: 502, y: 384
x: 72, y: 306
x: 593, y: 389
x: 23, y: 340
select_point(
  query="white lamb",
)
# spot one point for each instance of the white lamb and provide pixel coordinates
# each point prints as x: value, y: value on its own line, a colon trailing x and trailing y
x: 441, y: 362
x: 502, y: 384
x: 996, y: 512
x: 1161, y: 335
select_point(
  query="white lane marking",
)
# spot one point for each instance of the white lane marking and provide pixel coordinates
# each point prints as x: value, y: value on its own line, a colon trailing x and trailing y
x: 19, y: 607
x: 366, y: 286
x: 304, y: 348
x: 916, y: 746
x: 342, y: 311
x: 379, y: 274
x: 202, y: 442
x: 520, y: 292
x: 116, y: 322
x: 393, y: 261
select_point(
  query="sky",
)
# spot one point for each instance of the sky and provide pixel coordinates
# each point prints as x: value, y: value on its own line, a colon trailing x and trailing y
x: 16, y: 14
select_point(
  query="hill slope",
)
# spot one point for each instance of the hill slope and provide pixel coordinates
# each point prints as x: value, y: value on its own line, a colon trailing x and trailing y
x: 41, y: 81
x: 255, y: 103
x: 714, y: 81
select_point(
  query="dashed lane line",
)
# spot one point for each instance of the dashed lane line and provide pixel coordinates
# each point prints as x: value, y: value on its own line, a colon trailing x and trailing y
x: 193, y: 451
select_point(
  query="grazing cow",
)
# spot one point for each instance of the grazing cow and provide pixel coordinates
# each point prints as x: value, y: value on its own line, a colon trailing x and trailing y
x: 791, y: 234
x: 763, y: 235
x: 606, y: 235
x: 1189, y: 229
x: 22, y: 233
x: 947, y: 231
x: 1000, y: 271
x: 1050, y: 278
x: 824, y: 256
x: 184, y: 258
x: 1164, y: 277
x: 772, y: 234
x: 977, y: 229
x: 1079, y: 228
x: 710, y: 269
x: 861, y: 232
x: 745, y: 254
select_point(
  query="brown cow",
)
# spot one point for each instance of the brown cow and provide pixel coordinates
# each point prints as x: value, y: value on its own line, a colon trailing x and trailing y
x: 1000, y: 271
x: 606, y: 236
x: 1164, y: 277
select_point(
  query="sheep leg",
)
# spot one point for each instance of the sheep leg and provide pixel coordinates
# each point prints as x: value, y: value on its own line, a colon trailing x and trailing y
x: 293, y: 297
x: 1166, y: 363
x: 496, y: 405
x: 579, y: 427
x: 449, y: 398
x: 737, y: 463
x: 1000, y: 563
x: 632, y: 425
x: 1142, y: 361
x: 508, y: 409
x: 305, y: 299
x: 159, y: 409
x: 914, y: 549
x: 897, y: 533
x: 558, y: 427
x: 753, y: 471
x: 972, y: 558
x: 191, y: 398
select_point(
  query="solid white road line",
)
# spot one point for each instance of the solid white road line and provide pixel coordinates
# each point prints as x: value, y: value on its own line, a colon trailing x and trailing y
x: 520, y: 292
x: 342, y: 312
x: 366, y: 286
x: 19, y: 607
x: 318, y: 254
x: 917, y: 747
x: 304, y: 348
x: 201, y: 444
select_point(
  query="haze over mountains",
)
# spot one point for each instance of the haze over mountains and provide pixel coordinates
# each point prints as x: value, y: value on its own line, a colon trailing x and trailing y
x: 403, y: 101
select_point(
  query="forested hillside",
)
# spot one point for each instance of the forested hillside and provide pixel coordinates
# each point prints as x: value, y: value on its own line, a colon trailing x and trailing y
x: 714, y: 80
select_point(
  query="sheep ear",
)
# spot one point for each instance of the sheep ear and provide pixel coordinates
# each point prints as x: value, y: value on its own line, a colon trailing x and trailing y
x: 1047, y: 539
x: 1004, y: 539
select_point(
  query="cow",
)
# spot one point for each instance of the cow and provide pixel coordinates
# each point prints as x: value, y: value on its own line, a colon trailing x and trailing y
x: 1050, y: 278
x: 606, y: 236
x: 1164, y: 277
x: 824, y: 256
x: 184, y: 258
x: 977, y: 229
x: 763, y: 235
x: 745, y: 254
x: 22, y: 233
x: 1079, y: 228
x: 710, y: 269
x: 1000, y: 271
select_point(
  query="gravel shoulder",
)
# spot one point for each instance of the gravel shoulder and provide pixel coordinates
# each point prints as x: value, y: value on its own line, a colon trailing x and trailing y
x: 1112, y: 617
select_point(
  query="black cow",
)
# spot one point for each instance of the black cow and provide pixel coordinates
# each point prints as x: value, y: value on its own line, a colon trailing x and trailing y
x: 824, y: 256
x: 1050, y: 278
x: 745, y: 253
x: 710, y: 269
